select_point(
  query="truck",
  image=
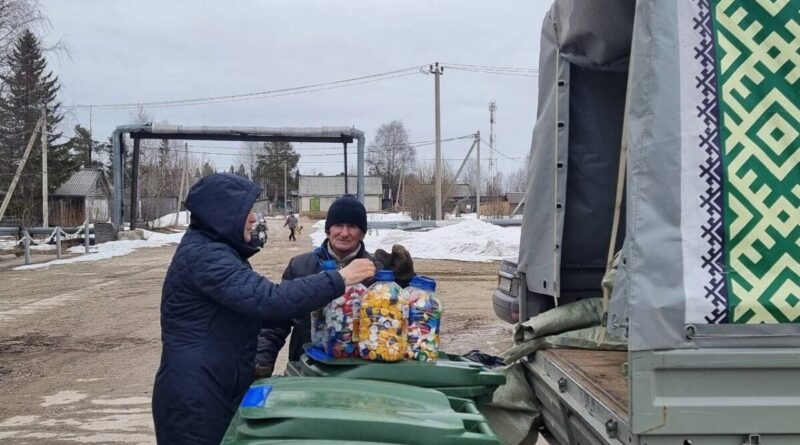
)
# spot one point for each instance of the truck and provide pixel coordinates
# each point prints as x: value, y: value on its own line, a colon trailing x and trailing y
x: 667, y: 134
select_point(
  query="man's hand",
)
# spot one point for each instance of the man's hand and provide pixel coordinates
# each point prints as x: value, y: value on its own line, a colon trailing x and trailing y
x: 399, y: 261
x: 357, y: 271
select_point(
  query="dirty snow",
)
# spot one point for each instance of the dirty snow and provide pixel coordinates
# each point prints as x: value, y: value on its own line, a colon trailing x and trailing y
x: 112, y: 249
x: 169, y: 220
x: 11, y: 245
x: 468, y: 240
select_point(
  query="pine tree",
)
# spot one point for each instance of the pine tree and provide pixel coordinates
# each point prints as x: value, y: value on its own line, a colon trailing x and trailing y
x: 241, y: 171
x: 231, y: 170
x: 163, y: 153
x: 28, y: 87
x: 270, y: 166
x: 84, y: 148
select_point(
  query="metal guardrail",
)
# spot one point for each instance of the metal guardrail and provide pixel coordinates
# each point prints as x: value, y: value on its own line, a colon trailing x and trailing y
x: 432, y: 224
x: 57, y: 234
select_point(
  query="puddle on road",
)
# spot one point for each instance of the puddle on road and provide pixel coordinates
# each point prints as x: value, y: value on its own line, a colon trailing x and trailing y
x: 121, y: 420
x: 63, y: 398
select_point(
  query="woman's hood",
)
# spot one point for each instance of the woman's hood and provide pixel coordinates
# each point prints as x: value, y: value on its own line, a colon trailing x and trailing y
x: 220, y: 204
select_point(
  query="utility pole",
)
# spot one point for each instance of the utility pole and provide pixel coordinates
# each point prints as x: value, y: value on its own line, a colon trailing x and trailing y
x: 492, y: 166
x: 184, y: 181
x: 478, y: 188
x: 285, y: 196
x: 20, y: 167
x: 437, y: 71
x: 45, y: 209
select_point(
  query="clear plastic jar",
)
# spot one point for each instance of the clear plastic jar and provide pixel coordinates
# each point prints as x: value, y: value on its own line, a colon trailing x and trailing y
x: 424, y: 320
x: 383, y: 324
x: 341, y: 323
x: 318, y: 330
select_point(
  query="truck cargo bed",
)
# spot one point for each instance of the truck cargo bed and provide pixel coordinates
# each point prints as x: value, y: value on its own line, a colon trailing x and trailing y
x: 583, y: 395
x: 599, y: 372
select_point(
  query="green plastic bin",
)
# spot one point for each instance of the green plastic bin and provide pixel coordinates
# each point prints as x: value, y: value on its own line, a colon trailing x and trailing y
x: 456, y: 378
x: 335, y: 410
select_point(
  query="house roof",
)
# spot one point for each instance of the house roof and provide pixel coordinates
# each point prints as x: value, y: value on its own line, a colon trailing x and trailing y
x: 515, y: 197
x: 334, y: 185
x: 83, y: 183
x: 461, y: 191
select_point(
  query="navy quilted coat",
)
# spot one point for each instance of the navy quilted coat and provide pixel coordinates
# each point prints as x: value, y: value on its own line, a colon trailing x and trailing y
x: 212, y: 307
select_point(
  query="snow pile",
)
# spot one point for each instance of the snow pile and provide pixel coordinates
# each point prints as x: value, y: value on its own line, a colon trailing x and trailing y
x: 389, y: 217
x: 375, y: 217
x: 113, y: 248
x: 469, y: 240
x: 169, y: 220
x: 11, y: 245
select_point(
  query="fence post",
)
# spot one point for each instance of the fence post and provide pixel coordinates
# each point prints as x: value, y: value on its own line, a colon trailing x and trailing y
x: 58, y: 242
x: 86, y: 235
x: 26, y: 245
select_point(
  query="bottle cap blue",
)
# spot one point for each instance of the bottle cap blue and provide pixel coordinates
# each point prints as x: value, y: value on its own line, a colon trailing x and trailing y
x: 424, y: 283
x: 384, y: 275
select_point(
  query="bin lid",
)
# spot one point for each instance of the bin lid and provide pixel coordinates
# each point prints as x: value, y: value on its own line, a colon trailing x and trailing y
x: 311, y: 408
x: 438, y: 374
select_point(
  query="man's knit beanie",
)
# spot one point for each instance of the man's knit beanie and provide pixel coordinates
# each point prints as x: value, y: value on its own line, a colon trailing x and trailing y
x: 347, y: 210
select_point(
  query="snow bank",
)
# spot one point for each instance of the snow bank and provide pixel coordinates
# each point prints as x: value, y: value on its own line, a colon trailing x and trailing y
x: 389, y: 217
x: 375, y: 217
x: 169, y: 220
x: 469, y: 240
x: 111, y: 249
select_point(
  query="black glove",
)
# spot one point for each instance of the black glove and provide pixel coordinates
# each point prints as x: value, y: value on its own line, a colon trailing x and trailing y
x: 263, y: 372
x: 399, y: 261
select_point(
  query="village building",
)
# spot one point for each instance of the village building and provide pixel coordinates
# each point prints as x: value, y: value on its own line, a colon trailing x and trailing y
x: 317, y: 193
x: 85, y: 195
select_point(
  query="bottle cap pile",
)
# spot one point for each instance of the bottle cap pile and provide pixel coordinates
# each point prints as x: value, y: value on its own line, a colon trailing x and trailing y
x: 341, y: 323
x: 424, y: 320
x: 383, y: 323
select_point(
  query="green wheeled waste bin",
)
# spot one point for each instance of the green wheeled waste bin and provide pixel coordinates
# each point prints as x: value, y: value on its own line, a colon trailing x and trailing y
x: 332, y: 410
x: 456, y: 378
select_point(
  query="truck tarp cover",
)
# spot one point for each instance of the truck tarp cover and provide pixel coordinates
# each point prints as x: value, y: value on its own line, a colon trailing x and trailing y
x: 575, y: 145
x: 712, y: 226
x: 713, y: 186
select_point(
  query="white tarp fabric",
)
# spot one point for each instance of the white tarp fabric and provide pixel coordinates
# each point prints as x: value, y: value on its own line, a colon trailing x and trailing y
x: 713, y: 187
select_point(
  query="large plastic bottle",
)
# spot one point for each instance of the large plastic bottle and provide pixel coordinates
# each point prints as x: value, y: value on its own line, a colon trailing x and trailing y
x: 317, y: 316
x: 341, y: 323
x: 424, y: 320
x: 383, y: 333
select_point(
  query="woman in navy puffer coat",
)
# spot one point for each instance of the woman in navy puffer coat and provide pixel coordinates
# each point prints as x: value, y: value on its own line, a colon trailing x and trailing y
x: 212, y: 308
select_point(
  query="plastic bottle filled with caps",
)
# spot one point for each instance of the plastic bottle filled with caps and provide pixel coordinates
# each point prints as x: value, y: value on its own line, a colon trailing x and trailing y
x: 424, y: 320
x: 318, y: 316
x: 341, y: 323
x: 383, y: 324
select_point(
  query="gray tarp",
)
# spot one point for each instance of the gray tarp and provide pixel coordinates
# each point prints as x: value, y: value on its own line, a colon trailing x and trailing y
x: 575, y: 146
x: 651, y: 289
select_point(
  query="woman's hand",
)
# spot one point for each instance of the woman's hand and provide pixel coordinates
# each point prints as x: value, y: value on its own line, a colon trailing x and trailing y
x: 357, y: 271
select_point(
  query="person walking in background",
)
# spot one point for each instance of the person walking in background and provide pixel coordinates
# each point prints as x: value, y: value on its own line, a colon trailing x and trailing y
x: 213, y: 306
x: 291, y: 222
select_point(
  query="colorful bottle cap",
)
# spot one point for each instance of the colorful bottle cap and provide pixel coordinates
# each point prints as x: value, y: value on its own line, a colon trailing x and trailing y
x: 424, y: 283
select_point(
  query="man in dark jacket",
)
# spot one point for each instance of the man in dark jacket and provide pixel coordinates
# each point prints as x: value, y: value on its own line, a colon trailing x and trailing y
x: 212, y: 308
x: 345, y: 226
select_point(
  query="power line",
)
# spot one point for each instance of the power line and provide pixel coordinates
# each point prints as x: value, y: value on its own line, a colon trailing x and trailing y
x: 403, y: 72
x: 503, y: 154
x: 260, y: 94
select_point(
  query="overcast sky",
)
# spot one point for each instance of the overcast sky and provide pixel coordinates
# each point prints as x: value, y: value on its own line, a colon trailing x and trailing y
x: 143, y: 51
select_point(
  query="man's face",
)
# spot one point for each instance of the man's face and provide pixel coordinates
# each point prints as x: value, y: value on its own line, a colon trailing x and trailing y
x: 248, y: 226
x: 345, y: 238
